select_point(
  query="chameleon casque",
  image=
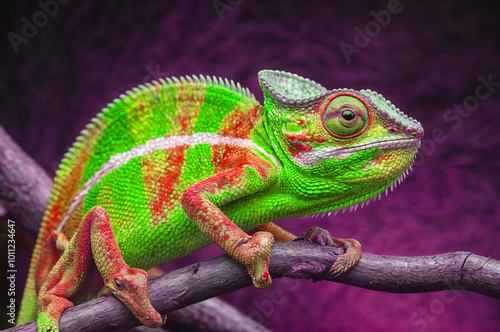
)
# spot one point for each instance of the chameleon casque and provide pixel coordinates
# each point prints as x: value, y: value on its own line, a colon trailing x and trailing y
x: 174, y: 165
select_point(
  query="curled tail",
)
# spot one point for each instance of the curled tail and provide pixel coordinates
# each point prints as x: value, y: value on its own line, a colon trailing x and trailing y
x: 66, y: 185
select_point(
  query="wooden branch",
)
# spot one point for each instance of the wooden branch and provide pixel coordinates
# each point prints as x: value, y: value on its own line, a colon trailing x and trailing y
x: 24, y: 192
x: 221, y: 275
x: 217, y: 315
x: 24, y: 185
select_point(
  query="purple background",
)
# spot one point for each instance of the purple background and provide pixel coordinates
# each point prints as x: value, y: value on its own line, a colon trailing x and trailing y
x: 427, y: 59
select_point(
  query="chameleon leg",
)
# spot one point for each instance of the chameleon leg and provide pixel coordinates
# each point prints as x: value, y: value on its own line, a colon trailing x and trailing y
x: 343, y: 262
x: 321, y: 236
x: 50, y: 254
x: 279, y: 233
x: 93, y: 243
x: 201, y: 201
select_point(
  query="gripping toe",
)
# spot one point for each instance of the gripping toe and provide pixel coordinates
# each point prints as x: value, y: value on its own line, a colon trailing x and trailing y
x: 343, y: 262
x: 255, y: 255
x: 346, y: 261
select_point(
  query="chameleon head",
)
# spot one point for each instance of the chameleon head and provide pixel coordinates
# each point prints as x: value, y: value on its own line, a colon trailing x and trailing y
x: 131, y: 287
x: 343, y: 142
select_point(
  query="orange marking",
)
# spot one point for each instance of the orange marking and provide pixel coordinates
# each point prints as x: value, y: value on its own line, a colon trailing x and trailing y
x: 162, y: 182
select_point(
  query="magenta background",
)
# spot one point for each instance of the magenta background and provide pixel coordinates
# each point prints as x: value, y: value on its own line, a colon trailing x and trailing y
x: 427, y: 59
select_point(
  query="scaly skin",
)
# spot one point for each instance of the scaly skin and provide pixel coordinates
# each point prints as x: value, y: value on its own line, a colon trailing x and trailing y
x: 176, y: 164
x: 93, y: 243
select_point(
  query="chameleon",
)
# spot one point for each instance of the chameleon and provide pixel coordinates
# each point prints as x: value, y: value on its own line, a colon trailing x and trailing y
x: 178, y: 163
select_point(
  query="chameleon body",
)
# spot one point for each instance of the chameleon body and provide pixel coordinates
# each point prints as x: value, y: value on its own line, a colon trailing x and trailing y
x: 174, y: 165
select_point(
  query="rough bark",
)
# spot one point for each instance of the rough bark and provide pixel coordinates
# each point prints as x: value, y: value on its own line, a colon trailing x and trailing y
x: 24, y: 185
x: 221, y: 275
x: 216, y: 315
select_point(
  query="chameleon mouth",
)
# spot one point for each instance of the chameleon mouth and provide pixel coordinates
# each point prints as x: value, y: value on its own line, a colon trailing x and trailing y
x: 401, y: 143
x: 313, y: 157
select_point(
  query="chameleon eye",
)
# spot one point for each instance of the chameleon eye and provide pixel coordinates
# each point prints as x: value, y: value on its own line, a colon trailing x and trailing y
x: 345, y: 116
x: 348, y: 115
x: 119, y: 285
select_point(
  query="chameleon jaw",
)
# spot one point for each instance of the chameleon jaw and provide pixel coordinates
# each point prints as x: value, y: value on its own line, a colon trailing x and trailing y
x: 312, y: 157
x: 401, y: 143
x: 376, y: 197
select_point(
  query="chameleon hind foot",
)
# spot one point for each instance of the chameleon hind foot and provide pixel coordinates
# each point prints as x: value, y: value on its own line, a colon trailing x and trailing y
x: 343, y: 262
x: 254, y: 252
x: 91, y: 258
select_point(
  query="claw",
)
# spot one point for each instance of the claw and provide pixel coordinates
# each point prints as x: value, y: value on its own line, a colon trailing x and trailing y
x: 347, y: 260
x: 318, y: 235
x: 254, y: 254
x: 343, y: 262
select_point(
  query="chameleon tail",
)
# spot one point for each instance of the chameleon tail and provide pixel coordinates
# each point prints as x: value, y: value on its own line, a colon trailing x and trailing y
x: 66, y: 185
x: 28, y: 309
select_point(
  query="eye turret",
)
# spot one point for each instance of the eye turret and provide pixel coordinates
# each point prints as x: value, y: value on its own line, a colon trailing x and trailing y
x: 346, y: 116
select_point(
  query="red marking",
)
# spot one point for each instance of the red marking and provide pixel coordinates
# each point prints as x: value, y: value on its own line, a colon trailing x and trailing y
x: 260, y: 166
x: 229, y: 157
x: 190, y: 101
x: 55, y: 214
x: 320, y: 139
x: 265, y: 277
x: 185, y: 122
x: 301, y: 147
x: 294, y: 153
x: 296, y: 137
x: 238, y: 123
x: 163, y: 192
x: 225, y: 237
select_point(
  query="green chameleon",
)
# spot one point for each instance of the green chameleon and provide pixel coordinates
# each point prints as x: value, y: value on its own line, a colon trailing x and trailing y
x: 174, y: 165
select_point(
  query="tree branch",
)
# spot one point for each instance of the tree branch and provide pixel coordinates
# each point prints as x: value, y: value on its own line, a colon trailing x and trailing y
x: 221, y: 275
x: 24, y: 185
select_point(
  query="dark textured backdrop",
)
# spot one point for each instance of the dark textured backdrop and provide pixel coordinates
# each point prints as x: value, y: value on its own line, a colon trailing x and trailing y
x: 426, y: 59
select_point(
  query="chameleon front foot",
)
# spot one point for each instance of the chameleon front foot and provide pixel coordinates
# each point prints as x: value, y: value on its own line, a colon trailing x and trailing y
x: 343, y: 262
x: 254, y: 252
